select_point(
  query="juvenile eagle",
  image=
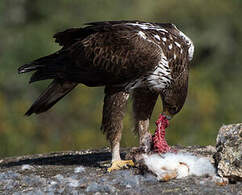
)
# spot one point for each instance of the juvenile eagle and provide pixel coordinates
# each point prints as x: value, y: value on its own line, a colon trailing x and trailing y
x: 147, y: 59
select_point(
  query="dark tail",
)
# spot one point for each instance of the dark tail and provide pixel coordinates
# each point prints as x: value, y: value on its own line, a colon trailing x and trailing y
x: 49, y: 67
x: 55, y: 91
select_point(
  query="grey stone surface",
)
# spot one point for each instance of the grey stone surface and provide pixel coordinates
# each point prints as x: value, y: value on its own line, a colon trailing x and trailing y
x: 84, y: 172
x: 229, y: 152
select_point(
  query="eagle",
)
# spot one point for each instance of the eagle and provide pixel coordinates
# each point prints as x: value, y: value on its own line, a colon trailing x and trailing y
x: 142, y: 59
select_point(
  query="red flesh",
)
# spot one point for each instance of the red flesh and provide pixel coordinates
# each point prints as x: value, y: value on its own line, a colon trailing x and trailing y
x: 159, y: 142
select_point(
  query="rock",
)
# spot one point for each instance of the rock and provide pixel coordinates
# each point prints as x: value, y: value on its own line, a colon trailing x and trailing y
x: 228, y: 158
x: 79, y: 169
x: 26, y: 167
x: 72, y: 182
x: 84, y: 172
x: 95, y: 187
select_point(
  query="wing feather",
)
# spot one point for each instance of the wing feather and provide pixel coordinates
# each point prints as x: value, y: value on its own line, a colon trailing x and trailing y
x: 122, y: 51
x: 121, y: 54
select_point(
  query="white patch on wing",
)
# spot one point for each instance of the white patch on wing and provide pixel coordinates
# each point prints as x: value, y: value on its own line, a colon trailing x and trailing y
x: 142, y: 26
x: 189, y: 43
x: 178, y: 44
x: 190, y: 52
x: 126, y: 96
x: 186, y: 38
x: 157, y: 37
x: 170, y: 47
x: 162, y: 29
x: 156, y: 80
x: 160, y: 78
x: 170, y: 37
x: 142, y: 35
x: 149, y: 26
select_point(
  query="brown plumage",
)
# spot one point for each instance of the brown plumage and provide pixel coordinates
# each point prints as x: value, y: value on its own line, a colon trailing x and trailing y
x: 147, y: 59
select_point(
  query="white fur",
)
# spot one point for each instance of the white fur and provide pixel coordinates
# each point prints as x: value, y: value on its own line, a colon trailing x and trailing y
x: 182, y: 164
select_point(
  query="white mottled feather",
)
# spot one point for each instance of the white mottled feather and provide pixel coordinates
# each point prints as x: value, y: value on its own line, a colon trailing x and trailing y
x: 157, y: 79
x: 170, y: 46
x: 178, y: 44
x: 142, y: 34
x: 157, y: 37
x: 146, y: 26
x: 190, y: 44
x: 160, y: 77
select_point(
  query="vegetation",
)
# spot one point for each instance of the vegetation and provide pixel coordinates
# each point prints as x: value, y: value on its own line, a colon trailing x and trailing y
x: 26, y: 30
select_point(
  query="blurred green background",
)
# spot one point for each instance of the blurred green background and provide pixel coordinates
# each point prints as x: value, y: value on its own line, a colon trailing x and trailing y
x: 26, y: 30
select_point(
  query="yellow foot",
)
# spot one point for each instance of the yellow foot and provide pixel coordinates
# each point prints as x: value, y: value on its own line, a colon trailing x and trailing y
x: 119, y: 164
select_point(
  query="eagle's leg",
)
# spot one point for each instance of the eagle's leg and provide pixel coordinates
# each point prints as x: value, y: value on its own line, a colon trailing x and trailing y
x: 112, y: 124
x: 143, y: 105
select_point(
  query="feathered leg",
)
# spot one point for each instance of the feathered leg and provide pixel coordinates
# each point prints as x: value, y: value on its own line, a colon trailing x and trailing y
x: 143, y: 105
x: 112, y: 123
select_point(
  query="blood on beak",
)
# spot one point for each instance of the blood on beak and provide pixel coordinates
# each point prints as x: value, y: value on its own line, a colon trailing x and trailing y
x: 167, y: 115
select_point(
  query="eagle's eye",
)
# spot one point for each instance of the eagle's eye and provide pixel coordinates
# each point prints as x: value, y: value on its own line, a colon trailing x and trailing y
x: 173, y: 109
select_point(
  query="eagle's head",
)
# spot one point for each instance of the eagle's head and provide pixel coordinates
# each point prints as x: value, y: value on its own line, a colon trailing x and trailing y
x: 173, y: 100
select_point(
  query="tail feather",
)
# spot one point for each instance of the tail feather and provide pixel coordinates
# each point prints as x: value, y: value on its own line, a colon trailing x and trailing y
x: 41, y: 75
x: 53, y: 67
x: 55, y: 91
x: 28, y: 68
x: 39, y: 63
x: 48, y: 67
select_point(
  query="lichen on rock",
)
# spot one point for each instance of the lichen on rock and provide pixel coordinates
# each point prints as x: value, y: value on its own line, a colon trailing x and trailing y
x: 228, y: 157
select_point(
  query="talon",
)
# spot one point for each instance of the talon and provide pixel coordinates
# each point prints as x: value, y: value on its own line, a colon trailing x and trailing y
x: 119, y: 164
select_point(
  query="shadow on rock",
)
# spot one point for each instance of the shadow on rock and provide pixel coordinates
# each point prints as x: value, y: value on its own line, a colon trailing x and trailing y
x: 94, y: 159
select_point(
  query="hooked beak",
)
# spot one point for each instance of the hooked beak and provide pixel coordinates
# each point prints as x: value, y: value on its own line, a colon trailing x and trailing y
x: 167, y: 115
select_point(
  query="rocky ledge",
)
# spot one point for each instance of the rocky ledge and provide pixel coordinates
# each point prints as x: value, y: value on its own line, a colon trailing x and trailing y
x: 84, y: 172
